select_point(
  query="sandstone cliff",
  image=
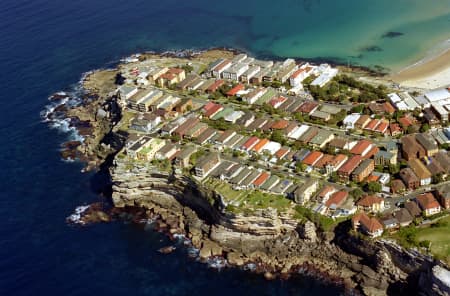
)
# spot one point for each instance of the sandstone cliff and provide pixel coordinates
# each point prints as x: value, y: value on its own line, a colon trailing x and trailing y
x: 278, y: 244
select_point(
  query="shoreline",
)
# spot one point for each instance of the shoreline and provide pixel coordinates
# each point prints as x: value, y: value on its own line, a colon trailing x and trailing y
x: 433, y: 71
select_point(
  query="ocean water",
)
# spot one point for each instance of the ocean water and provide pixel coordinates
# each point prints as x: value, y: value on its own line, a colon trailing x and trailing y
x: 45, y: 46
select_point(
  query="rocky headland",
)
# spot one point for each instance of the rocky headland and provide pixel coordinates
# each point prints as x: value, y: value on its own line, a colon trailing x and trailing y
x: 274, y: 244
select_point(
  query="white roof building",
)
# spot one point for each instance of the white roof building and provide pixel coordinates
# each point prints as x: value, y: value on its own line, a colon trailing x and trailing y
x: 272, y: 147
x: 299, y: 132
x: 438, y: 95
x: 350, y: 120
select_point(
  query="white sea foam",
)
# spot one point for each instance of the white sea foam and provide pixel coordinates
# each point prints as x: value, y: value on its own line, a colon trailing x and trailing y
x: 217, y: 262
x: 75, y: 218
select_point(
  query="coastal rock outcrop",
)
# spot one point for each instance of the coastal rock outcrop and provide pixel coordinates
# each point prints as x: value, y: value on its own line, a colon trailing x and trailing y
x: 276, y: 244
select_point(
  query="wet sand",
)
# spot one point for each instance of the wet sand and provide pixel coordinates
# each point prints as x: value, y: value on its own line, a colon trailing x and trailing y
x: 433, y: 73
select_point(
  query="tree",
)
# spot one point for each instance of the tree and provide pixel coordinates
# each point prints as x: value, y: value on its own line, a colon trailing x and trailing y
x: 424, y: 127
x: 373, y: 187
x: 334, y: 177
x: 356, y: 193
x: 300, y: 167
x: 277, y: 136
x: 394, y: 169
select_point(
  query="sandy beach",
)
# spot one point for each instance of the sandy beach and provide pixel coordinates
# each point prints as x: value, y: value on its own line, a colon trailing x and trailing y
x: 432, y: 72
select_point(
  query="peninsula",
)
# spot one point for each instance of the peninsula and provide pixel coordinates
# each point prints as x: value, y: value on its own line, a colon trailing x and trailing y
x: 276, y: 166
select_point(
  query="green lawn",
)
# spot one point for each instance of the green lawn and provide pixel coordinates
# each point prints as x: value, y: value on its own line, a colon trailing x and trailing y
x: 249, y: 200
x: 439, y: 236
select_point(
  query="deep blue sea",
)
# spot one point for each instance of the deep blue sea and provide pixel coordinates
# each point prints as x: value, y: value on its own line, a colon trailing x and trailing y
x: 45, y: 46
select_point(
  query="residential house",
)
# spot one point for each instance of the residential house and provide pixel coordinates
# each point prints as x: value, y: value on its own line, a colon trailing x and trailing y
x: 397, y: 186
x: 145, y: 123
x: 206, y: 164
x: 413, y: 209
x: 428, y: 204
x: 326, y: 193
x: 263, y: 177
x: 184, y: 106
x: 336, y: 199
x: 370, y: 226
x: 345, y: 171
x: 321, y: 139
x: 215, y: 86
x: 304, y: 192
x: 235, y: 90
x: 443, y: 195
x: 219, y: 68
x: 363, y: 170
x: 166, y: 152
x: 411, y: 149
x: 308, y: 107
x: 409, y: 178
x: 182, y: 159
x: 146, y: 149
x: 428, y: 143
x: 320, y: 115
x: 371, y: 203
x: 206, y: 136
x: 362, y: 148
x: 421, y: 171
x: 186, y: 126
x: 254, y: 95
x: 403, y: 217
x: 336, y: 163
x: 362, y: 122
x: 312, y: 158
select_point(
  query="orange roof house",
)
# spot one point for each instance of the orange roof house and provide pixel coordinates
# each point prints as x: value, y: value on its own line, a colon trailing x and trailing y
x: 370, y: 226
x: 280, y: 124
x: 312, y: 158
x: 235, y: 90
x: 260, y: 145
x: 261, y: 179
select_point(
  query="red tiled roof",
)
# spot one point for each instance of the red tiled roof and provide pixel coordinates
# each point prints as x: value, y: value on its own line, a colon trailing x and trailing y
x: 372, y: 124
x: 369, y: 200
x: 208, y: 106
x: 371, y: 224
x: 235, y: 90
x: 277, y: 101
x: 260, y: 145
x: 360, y: 147
x: 405, y: 121
x: 261, y: 179
x: 282, y: 152
x: 371, y: 152
x: 395, y: 128
x: 382, y: 127
x: 326, y: 190
x: 213, y: 87
x: 323, y: 161
x: 337, y: 198
x: 307, y: 107
x: 312, y: 158
x: 427, y: 201
x: 388, y: 108
x: 175, y: 70
x: 338, y: 159
x: 280, y: 124
x: 250, y: 142
x: 372, y: 178
x: 351, y: 164
x: 297, y: 73
x: 213, y: 110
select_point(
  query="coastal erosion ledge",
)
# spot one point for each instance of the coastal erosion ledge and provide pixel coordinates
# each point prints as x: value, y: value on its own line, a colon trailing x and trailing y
x: 279, y: 246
